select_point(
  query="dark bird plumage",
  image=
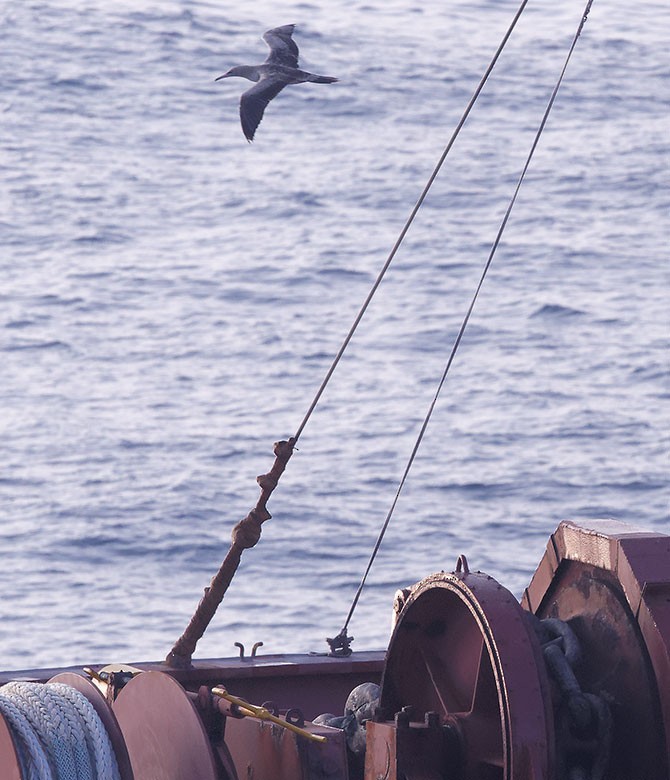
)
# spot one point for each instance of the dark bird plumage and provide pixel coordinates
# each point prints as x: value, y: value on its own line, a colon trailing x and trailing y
x: 279, y: 69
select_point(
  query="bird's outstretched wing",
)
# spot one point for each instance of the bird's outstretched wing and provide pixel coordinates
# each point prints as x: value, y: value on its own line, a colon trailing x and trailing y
x: 254, y: 101
x: 283, y: 49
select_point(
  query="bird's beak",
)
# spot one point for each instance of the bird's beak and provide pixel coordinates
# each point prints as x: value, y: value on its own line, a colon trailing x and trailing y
x: 223, y: 76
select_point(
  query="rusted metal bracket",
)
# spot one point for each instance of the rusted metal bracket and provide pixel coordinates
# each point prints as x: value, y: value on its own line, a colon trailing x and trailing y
x: 245, y: 535
x: 254, y: 649
x: 341, y: 644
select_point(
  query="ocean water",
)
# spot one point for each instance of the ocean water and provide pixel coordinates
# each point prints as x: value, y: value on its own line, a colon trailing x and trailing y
x: 173, y: 296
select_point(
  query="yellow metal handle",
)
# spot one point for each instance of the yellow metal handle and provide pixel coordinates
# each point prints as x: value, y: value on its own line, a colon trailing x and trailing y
x: 254, y: 711
x: 95, y: 675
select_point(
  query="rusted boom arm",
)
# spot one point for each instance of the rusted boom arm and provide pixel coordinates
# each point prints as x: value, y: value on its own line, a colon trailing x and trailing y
x: 245, y: 534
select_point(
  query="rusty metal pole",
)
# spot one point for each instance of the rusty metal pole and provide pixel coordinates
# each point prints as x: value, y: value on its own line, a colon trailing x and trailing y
x: 245, y: 535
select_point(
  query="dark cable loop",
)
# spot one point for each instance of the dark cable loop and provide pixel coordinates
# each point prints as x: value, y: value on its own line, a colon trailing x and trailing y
x: 466, y: 319
x: 408, y: 223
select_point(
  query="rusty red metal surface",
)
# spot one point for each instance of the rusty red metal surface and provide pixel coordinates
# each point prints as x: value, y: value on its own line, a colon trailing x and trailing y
x: 410, y: 751
x: 470, y: 687
x: 164, y: 735
x: 314, y: 683
x: 10, y: 769
x: 263, y: 751
x: 611, y: 584
x: 464, y: 650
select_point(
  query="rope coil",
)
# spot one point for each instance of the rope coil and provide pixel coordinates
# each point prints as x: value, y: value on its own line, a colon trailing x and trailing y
x: 57, y: 733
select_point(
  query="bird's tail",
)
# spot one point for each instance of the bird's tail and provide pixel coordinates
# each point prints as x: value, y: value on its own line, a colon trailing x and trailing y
x: 323, y: 79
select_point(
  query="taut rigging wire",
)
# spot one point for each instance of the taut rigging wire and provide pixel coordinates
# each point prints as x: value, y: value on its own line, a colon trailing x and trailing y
x: 247, y: 532
x: 408, y: 223
x: 341, y: 642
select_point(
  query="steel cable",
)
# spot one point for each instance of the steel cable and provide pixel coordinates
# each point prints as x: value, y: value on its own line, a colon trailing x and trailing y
x: 408, y: 223
x: 466, y: 319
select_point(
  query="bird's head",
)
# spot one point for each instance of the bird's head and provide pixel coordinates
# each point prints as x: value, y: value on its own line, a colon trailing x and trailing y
x: 245, y: 71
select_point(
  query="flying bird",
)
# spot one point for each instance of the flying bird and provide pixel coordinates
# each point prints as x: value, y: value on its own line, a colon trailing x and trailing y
x: 279, y: 69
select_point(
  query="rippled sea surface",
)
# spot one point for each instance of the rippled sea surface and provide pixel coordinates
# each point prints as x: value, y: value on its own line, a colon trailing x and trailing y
x: 173, y: 296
